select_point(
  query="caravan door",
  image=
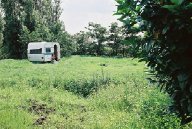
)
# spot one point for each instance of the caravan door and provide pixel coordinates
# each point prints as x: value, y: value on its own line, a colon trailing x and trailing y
x: 48, y: 53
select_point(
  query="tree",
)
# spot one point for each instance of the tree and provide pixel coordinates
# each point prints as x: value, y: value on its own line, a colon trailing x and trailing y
x: 2, y: 49
x: 12, y: 27
x: 166, y: 45
x: 30, y: 20
x: 1, y: 28
x: 115, y: 37
x: 81, y: 41
x: 67, y: 43
x: 98, y: 34
x: 56, y: 11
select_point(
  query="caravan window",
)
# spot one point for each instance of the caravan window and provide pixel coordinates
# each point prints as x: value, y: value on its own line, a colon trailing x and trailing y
x: 48, y: 50
x: 36, y: 51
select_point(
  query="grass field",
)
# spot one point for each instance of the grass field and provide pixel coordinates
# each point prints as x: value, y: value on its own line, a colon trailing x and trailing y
x: 81, y: 93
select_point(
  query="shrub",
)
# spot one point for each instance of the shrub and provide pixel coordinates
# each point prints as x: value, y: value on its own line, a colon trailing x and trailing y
x: 86, y: 87
x: 166, y: 46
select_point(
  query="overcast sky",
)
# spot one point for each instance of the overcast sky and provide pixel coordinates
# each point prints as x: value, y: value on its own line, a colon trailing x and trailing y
x: 77, y: 13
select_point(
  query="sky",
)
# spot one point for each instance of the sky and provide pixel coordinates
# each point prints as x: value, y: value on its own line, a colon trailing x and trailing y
x: 78, y: 13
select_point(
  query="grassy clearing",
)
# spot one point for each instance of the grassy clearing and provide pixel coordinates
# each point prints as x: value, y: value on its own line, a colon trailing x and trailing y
x: 81, y: 92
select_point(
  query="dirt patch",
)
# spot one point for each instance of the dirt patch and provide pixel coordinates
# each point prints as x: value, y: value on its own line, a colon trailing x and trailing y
x: 40, y: 109
x: 40, y: 120
x: 105, y: 65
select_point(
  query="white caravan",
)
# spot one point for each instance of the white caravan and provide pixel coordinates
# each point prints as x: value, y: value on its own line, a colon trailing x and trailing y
x: 43, y: 51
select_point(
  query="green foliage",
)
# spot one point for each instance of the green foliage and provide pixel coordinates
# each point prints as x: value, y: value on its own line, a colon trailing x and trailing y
x: 115, y: 38
x: 67, y: 44
x: 2, y: 49
x: 87, y: 87
x: 32, y: 21
x: 98, y: 35
x: 1, y: 29
x: 84, y: 45
x: 165, y: 46
x: 12, y: 27
x: 98, y: 40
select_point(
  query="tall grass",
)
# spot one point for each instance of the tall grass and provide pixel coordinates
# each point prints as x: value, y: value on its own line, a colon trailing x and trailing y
x: 81, y: 92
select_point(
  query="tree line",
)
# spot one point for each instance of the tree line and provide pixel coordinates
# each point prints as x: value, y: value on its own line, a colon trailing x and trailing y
x: 24, y: 21
x: 98, y: 40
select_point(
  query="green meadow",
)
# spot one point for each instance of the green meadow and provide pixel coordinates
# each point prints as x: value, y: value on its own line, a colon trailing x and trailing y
x: 81, y: 92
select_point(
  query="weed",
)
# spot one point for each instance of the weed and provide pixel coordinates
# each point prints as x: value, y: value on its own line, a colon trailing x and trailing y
x: 87, y: 86
x: 35, y: 82
x: 82, y: 92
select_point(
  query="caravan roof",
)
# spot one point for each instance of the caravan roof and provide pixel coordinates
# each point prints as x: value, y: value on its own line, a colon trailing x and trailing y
x: 35, y: 45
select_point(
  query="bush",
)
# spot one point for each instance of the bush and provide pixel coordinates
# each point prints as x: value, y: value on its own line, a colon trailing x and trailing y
x: 166, y: 46
x: 86, y: 87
